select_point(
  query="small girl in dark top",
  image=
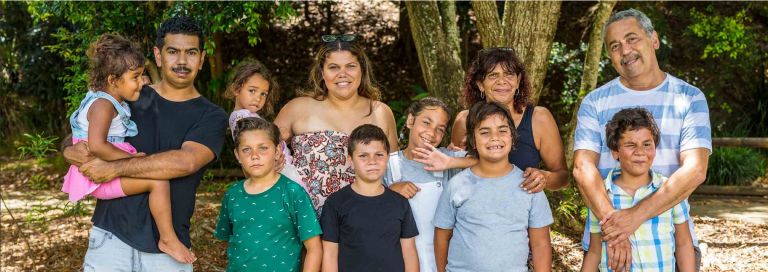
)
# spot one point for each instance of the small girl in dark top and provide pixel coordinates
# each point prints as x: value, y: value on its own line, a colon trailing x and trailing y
x: 366, y: 226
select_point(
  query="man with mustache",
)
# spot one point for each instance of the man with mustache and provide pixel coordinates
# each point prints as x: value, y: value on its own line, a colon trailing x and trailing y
x: 682, y: 115
x: 182, y: 132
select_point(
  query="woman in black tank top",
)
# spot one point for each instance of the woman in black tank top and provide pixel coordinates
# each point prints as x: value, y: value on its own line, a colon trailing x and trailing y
x: 498, y: 75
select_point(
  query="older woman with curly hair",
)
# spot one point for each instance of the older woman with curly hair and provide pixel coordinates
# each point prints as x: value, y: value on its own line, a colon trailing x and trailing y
x: 498, y: 75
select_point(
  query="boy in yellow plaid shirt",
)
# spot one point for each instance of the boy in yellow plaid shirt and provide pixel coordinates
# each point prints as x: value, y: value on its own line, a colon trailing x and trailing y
x: 662, y: 243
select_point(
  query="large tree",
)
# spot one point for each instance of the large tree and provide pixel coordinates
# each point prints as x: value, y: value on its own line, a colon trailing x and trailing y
x: 527, y: 26
x: 435, y: 34
x: 591, y: 69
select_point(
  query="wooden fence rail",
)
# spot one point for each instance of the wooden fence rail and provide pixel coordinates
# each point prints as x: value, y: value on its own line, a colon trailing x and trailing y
x: 741, y: 142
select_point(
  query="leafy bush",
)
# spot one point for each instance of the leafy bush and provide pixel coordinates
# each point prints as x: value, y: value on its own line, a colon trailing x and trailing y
x: 735, y: 166
x: 37, y: 145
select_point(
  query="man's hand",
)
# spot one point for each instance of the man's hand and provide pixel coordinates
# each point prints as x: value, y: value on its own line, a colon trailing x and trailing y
x: 432, y: 158
x: 78, y: 154
x: 99, y: 171
x: 405, y: 188
x: 619, y: 225
x: 620, y: 256
x: 535, y: 180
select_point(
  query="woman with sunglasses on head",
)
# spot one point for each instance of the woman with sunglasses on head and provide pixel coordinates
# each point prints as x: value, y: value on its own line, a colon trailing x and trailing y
x: 498, y: 75
x: 342, y: 97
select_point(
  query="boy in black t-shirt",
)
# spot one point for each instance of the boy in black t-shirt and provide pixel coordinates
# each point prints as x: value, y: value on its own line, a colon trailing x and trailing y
x: 366, y: 226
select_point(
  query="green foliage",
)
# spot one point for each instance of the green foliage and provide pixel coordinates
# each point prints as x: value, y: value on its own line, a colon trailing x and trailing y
x: 37, y: 217
x: 39, y: 182
x: 727, y: 35
x: 37, y: 145
x: 138, y: 21
x: 735, y: 166
x: 76, y: 209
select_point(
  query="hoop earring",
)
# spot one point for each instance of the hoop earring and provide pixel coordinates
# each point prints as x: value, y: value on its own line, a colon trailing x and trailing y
x: 482, y: 95
x: 517, y: 92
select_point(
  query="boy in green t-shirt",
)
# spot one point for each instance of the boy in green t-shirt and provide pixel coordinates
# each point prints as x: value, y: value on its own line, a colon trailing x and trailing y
x: 266, y: 217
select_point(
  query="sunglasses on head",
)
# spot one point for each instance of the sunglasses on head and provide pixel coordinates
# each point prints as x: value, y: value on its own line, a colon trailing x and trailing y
x: 339, y: 38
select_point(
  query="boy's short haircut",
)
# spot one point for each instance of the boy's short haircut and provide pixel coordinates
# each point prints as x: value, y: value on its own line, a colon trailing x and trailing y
x: 626, y: 120
x: 256, y: 123
x: 179, y: 25
x: 481, y: 111
x: 365, y: 134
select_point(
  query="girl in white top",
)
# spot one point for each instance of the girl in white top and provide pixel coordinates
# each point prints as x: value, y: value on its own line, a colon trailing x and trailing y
x: 407, y: 171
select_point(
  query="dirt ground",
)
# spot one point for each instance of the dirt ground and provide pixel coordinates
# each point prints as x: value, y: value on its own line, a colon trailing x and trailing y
x: 41, y: 231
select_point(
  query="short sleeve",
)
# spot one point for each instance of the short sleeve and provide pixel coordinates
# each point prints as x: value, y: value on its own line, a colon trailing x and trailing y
x: 408, y: 227
x: 209, y: 130
x: 679, y: 215
x: 224, y: 225
x: 329, y: 221
x: 540, y: 214
x: 445, y: 213
x: 307, y: 225
x: 587, y: 134
x: 593, y: 224
x: 387, y: 179
x: 696, y: 131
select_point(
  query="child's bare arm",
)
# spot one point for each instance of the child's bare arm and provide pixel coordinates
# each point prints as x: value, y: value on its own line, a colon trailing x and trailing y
x: 592, y: 258
x: 330, y: 256
x: 410, y: 256
x: 100, y: 117
x: 442, y: 238
x: 685, y: 258
x: 541, y: 248
x: 314, y: 254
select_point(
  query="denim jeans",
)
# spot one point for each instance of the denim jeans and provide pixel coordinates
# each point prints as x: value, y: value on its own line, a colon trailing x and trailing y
x: 107, y: 253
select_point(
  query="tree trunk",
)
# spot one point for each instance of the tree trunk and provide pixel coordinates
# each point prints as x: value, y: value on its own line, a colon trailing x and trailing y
x: 440, y: 64
x: 451, y: 30
x: 532, y: 28
x: 591, y: 70
x: 488, y: 24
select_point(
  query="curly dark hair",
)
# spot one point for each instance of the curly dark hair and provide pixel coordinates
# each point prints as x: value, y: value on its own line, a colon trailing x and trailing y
x: 243, y: 72
x: 626, y: 120
x: 111, y: 55
x: 179, y: 25
x: 481, y: 111
x: 484, y: 63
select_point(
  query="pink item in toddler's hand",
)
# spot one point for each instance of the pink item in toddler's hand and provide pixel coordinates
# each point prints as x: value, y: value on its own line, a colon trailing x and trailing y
x: 79, y: 186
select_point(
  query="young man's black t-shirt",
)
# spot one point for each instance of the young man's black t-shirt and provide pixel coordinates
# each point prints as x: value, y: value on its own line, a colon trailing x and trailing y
x: 368, y: 229
x: 163, y: 125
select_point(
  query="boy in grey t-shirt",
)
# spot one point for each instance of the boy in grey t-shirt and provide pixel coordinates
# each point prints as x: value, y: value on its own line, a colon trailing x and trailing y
x: 490, y: 218
x: 484, y: 219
